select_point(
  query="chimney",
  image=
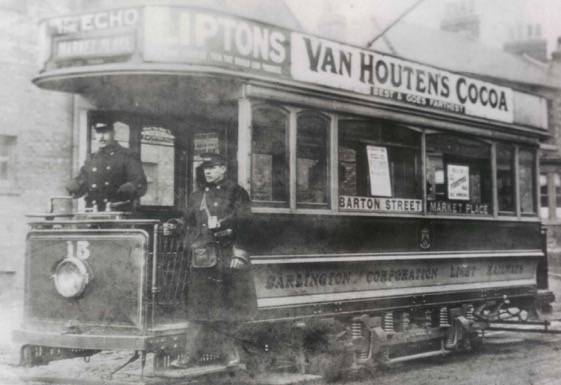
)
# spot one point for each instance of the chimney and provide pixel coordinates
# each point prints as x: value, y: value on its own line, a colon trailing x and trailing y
x: 556, y: 55
x: 460, y: 17
x: 526, y: 39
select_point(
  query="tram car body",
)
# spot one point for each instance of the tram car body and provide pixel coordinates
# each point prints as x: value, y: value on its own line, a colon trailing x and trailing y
x: 395, y: 230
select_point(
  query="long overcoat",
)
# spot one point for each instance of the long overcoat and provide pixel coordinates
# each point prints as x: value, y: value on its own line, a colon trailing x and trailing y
x: 220, y: 293
x: 105, y: 171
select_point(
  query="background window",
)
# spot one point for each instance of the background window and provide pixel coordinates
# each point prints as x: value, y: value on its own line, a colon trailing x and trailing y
x: 269, y: 156
x: 7, y: 155
x: 544, y: 197
x: 312, y: 146
x: 505, y: 178
x: 527, y: 166
x: 557, y: 184
x: 390, y: 154
x: 458, y: 175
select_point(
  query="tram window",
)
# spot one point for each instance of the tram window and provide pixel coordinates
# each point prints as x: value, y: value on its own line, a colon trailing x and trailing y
x: 382, y: 161
x: 269, y: 157
x: 527, y: 160
x: 157, y: 149
x: 505, y: 179
x: 312, y: 159
x: 458, y: 176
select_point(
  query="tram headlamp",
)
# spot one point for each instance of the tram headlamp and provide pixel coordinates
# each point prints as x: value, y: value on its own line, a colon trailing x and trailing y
x: 71, y: 277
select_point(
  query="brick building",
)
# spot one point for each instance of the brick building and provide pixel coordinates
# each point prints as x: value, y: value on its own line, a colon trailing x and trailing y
x: 35, y: 134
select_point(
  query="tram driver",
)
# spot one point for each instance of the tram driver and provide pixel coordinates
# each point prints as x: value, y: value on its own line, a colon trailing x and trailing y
x: 113, y: 174
x: 219, y: 289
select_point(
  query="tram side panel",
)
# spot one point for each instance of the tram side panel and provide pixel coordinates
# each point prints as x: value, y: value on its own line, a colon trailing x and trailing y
x: 309, y: 267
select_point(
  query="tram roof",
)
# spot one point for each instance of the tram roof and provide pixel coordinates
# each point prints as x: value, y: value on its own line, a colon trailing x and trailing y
x: 177, y: 37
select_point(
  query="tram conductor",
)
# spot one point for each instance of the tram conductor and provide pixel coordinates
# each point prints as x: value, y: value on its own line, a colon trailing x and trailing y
x: 219, y: 289
x: 113, y: 174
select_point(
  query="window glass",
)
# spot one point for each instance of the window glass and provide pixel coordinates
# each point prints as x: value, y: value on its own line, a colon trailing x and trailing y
x: 157, y: 149
x: 312, y: 159
x: 527, y: 181
x: 505, y: 178
x: 544, y: 197
x: 7, y: 151
x: 557, y: 183
x: 458, y: 176
x: 379, y: 167
x: 269, y: 156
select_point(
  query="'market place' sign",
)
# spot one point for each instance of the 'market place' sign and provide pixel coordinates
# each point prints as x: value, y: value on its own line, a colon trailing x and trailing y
x: 161, y: 34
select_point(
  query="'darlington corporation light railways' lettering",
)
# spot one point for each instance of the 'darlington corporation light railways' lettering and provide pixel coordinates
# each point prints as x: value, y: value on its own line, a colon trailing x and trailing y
x: 365, y: 277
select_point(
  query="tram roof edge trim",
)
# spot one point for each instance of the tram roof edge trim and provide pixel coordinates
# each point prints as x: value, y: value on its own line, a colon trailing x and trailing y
x: 195, y: 36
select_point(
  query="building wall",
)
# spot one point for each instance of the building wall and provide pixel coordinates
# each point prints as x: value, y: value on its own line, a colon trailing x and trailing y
x: 35, y: 131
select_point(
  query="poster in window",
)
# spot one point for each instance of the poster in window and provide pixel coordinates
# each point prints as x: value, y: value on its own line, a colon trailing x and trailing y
x: 458, y: 182
x: 380, y: 184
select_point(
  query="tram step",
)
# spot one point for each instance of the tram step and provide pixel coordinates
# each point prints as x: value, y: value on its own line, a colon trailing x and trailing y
x: 418, y: 356
x: 195, y: 372
x: 287, y: 379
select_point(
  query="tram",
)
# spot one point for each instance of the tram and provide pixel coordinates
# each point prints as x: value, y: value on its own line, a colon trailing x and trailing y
x: 394, y: 203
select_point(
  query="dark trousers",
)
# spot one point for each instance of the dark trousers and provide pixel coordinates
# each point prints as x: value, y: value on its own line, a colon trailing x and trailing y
x: 206, y: 337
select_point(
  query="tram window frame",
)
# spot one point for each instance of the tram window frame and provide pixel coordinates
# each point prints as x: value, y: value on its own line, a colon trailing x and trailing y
x: 454, y: 162
x: 136, y: 122
x: 393, y: 142
x: 292, y: 116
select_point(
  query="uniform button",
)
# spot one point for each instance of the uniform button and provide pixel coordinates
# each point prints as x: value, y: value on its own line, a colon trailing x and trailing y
x: 112, y: 153
x: 215, y: 204
x: 94, y: 202
x: 107, y: 183
x: 94, y: 185
x: 105, y: 200
x: 94, y: 169
x: 204, y: 225
x: 108, y: 167
x: 218, y: 187
x: 207, y: 189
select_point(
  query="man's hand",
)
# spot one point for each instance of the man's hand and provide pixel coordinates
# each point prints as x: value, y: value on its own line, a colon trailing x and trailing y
x: 237, y: 263
x: 169, y: 229
x: 73, y: 187
x: 128, y: 190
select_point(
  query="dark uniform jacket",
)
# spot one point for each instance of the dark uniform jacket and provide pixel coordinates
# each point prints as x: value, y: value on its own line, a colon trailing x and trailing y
x: 105, y: 172
x: 220, y: 293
